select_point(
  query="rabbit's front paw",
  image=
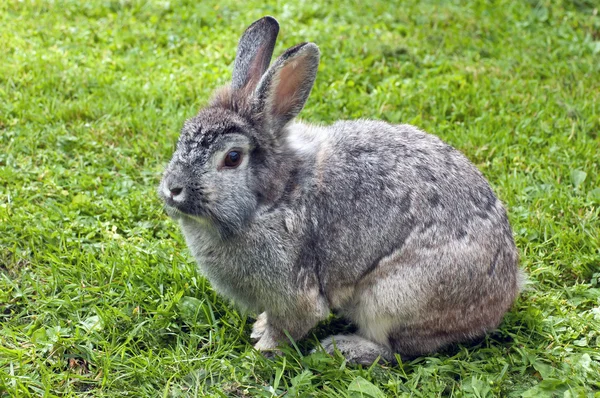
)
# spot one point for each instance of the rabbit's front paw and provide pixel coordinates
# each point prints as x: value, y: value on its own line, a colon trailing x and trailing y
x: 259, y: 327
x: 267, y: 345
x: 266, y: 342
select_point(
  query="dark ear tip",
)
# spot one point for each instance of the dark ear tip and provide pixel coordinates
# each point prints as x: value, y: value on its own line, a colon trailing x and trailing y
x: 306, y: 48
x: 266, y: 22
x: 270, y: 20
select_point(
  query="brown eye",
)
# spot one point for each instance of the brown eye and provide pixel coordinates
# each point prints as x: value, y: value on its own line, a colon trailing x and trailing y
x: 233, y: 159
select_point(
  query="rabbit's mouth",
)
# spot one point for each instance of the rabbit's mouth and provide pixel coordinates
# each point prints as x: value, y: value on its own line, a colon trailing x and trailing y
x: 173, y: 212
x: 177, y: 214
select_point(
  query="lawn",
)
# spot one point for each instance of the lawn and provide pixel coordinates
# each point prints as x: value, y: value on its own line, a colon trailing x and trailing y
x: 99, y: 296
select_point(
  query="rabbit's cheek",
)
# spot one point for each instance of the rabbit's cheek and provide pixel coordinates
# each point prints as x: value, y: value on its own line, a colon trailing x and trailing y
x: 211, y: 194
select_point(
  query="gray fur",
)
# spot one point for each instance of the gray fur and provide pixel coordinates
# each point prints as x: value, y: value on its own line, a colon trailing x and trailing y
x: 386, y: 224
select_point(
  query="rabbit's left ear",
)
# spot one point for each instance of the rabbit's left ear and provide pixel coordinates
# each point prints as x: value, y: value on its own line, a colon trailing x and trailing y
x: 285, y: 87
x: 254, y: 52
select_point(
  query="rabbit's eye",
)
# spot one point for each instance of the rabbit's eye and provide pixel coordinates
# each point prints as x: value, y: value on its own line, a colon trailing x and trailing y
x: 233, y: 159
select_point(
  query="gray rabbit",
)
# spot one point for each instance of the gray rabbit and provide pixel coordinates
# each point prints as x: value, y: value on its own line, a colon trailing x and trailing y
x: 384, y: 224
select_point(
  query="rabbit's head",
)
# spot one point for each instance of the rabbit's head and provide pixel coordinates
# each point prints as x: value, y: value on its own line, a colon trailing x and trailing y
x: 232, y: 156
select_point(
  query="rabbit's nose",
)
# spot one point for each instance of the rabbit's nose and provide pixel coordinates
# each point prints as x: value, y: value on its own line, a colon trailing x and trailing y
x: 173, y: 188
x: 175, y: 191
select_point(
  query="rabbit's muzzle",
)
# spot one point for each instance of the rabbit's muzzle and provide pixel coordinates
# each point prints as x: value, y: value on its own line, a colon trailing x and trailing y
x: 182, y: 195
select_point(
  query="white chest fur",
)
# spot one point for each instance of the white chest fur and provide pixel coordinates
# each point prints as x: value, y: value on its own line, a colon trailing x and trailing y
x: 255, y: 270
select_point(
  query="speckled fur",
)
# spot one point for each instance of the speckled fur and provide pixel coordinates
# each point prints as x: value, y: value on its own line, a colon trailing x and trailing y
x: 385, y: 224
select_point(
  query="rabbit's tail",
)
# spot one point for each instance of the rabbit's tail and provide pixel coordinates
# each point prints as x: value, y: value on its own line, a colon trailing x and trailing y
x: 357, y: 349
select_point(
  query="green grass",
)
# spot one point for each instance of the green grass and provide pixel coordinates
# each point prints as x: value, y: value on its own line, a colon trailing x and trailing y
x: 98, y: 294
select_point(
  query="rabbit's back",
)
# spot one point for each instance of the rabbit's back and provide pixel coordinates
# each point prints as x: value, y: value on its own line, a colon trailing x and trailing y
x: 381, y: 190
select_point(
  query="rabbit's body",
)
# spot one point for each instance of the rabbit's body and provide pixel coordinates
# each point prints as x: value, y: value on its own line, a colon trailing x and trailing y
x: 385, y: 224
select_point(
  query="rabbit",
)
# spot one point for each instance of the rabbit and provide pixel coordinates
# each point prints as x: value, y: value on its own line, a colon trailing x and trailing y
x: 384, y: 224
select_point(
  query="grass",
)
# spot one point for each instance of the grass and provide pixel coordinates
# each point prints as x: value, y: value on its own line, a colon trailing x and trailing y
x: 98, y: 294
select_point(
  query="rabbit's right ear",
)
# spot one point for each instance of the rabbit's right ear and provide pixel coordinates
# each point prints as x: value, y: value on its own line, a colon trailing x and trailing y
x: 285, y: 87
x: 254, y: 53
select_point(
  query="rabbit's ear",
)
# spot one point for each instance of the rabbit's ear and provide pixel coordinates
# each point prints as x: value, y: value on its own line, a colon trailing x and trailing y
x: 284, y: 89
x: 254, y: 53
